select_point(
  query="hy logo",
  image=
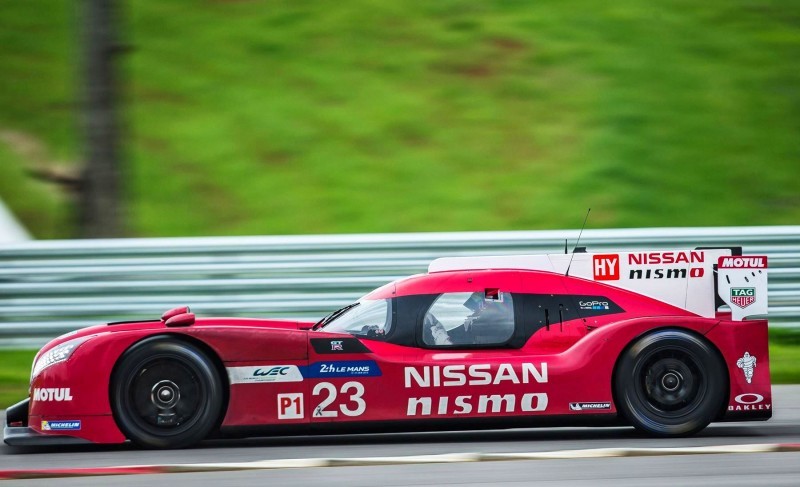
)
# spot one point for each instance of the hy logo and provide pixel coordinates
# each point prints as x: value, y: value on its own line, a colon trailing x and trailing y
x: 743, y: 296
x: 606, y: 267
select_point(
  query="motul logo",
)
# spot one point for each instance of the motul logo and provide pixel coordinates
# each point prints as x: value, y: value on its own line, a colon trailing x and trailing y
x: 606, y: 267
x: 52, y: 394
x: 758, y: 262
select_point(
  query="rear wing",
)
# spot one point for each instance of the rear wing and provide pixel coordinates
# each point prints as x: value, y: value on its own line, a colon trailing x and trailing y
x: 742, y: 285
x: 688, y: 279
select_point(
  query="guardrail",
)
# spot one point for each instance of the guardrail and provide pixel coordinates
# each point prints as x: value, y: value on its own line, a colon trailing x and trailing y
x: 51, y: 287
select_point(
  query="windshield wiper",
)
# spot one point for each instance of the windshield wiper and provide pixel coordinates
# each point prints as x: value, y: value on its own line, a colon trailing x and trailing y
x: 324, y: 321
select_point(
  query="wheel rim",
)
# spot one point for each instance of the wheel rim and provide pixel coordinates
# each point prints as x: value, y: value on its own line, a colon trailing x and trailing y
x: 670, y: 382
x: 166, y: 395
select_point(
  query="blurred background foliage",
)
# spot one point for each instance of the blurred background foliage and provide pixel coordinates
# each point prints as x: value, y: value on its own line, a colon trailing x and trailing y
x: 285, y: 117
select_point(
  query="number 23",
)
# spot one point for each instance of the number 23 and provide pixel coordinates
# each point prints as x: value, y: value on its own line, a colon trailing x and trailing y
x: 321, y: 412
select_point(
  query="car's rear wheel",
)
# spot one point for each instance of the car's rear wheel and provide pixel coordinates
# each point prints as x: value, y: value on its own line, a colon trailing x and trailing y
x: 670, y: 383
x: 166, y: 393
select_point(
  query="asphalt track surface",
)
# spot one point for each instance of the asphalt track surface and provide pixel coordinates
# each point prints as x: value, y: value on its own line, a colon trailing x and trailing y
x: 719, y: 469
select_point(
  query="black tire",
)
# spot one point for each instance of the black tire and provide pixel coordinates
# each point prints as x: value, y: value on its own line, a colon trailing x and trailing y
x: 670, y: 383
x: 166, y: 393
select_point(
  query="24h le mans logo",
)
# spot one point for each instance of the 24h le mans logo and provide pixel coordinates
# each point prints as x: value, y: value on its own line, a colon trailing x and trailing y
x: 743, y: 296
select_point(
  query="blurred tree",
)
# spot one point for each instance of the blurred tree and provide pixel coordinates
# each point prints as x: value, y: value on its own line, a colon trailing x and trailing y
x: 100, y: 185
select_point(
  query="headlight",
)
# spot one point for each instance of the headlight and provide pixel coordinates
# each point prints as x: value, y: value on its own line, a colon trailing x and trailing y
x: 55, y: 355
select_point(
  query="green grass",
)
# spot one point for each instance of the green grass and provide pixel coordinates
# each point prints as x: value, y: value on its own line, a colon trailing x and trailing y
x: 306, y: 117
x: 15, y: 366
x: 46, y: 213
x: 784, y: 363
x: 15, y: 372
x: 784, y: 355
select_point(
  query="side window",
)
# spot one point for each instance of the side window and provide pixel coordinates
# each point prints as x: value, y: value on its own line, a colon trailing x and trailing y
x: 370, y: 318
x: 471, y: 318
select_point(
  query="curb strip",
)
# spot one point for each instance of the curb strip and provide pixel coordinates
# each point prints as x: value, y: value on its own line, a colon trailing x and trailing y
x: 396, y: 460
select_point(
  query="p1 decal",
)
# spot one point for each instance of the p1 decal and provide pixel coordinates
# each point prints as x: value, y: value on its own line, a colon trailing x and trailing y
x: 342, y: 368
x: 264, y: 373
x: 747, y: 363
x: 606, y: 267
x: 61, y: 425
x: 290, y: 406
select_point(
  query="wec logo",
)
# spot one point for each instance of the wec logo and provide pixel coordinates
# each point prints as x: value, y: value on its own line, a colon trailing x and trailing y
x: 271, y: 372
x: 264, y: 373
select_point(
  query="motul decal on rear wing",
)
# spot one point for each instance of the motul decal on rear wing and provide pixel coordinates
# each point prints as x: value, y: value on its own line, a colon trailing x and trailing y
x: 742, y: 284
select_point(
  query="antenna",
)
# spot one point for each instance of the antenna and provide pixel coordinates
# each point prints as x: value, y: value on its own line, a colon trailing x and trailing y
x: 579, y: 241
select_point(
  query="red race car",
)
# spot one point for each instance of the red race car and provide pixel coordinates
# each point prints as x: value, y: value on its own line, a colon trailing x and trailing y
x: 638, y: 338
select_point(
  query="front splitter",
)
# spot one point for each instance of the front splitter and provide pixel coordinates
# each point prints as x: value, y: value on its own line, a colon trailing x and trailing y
x: 26, y: 436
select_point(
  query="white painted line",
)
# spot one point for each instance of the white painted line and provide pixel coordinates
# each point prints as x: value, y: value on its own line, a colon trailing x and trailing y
x: 635, y: 452
x: 477, y: 457
x: 399, y: 460
x: 257, y: 465
x: 406, y: 460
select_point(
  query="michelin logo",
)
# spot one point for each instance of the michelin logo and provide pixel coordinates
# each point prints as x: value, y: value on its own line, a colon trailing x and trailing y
x: 747, y: 363
x: 589, y: 406
x: 61, y: 425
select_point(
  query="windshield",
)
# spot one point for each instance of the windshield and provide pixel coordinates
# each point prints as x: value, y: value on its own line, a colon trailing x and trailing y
x: 371, y: 318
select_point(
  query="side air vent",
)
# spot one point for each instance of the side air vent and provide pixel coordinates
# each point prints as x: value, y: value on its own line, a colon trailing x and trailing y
x: 183, y: 319
x: 175, y: 312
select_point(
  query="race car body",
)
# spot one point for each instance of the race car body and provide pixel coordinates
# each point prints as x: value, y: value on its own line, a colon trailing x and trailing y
x: 639, y: 338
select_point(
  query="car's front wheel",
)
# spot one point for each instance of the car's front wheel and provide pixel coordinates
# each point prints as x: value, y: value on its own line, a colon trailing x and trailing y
x: 166, y: 393
x: 670, y: 383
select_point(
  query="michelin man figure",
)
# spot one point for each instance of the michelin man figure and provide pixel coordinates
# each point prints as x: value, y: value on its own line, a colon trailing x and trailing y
x: 747, y: 364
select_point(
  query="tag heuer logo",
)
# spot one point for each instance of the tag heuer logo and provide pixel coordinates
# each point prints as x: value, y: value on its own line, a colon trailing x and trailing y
x: 743, y: 296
